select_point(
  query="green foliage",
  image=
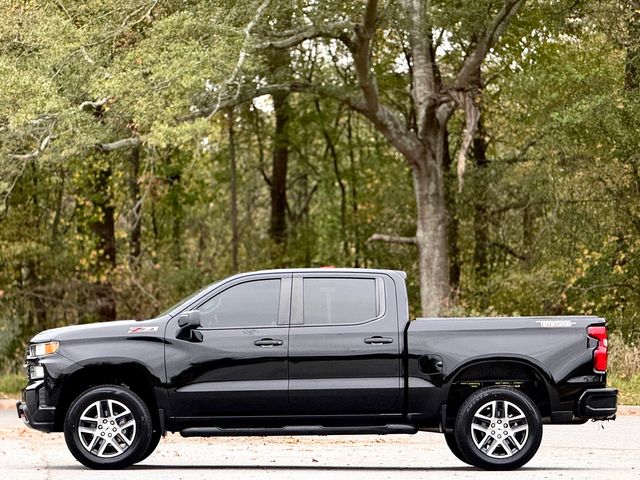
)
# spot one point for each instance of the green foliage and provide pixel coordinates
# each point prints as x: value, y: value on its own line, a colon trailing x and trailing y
x: 11, y: 384
x: 560, y: 190
x: 629, y: 389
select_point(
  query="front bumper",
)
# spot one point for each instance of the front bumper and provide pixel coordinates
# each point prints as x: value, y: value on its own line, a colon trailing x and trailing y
x: 33, y: 411
x: 598, y: 404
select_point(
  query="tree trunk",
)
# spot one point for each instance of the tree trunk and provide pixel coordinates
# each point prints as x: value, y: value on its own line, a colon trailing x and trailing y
x: 632, y: 61
x: 135, y: 238
x: 235, y: 237
x: 422, y: 144
x: 330, y: 149
x: 154, y: 229
x: 55, y: 226
x: 175, y: 199
x: 431, y: 229
x: 278, y: 224
x: 176, y: 236
x: 481, y: 215
x: 306, y: 224
x: 452, y: 219
x: 527, y: 231
x: 104, y: 229
x: 354, y: 194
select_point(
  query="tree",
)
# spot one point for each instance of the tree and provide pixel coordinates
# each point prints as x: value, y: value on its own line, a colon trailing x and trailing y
x: 434, y: 97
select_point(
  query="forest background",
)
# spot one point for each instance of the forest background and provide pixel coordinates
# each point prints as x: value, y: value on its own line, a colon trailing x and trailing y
x: 490, y: 149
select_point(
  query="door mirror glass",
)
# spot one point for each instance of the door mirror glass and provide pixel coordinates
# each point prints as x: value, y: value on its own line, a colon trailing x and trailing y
x: 189, y: 320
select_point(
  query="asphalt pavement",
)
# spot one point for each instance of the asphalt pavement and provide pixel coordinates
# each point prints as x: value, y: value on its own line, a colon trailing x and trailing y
x: 590, y: 451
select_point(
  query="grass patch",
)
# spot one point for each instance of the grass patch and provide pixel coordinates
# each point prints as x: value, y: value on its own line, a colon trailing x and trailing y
x: 629, y: 389
x: 624, y: 369
x: 11, y: 384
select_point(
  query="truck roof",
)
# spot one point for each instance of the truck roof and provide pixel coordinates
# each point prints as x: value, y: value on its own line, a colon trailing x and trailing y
x: 327, y: 269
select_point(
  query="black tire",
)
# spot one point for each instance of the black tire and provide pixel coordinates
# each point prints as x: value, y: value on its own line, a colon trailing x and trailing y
x: 480, y: 429
x: 121, y: 416
x: 452, y: 443
x: 153, y: 444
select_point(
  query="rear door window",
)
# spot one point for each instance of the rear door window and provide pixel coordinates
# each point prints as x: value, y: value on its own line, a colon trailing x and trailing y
x: 339, y: 300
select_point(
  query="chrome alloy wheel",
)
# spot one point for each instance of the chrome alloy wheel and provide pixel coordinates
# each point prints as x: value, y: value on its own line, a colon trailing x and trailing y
x: 107, y: 428
x: 499, y: 429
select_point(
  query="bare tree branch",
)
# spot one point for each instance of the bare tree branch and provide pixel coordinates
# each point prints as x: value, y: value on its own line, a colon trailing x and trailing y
x: 362, y: 55
x: 94, y: 106
x: 119, y: 144
x: 423, y: 62
x: 381, y: 237
x: 295, y: 217
x: 508, y: 250
x: 384, y: 118
x: 472, y: 116
x: 469, y: 74
x: 245, y: 94
x: 241, y: 57
x: 24, y: 159
x: 468, y: 81
x: 387, y: 120
x: 292, y: 38
x: 41, y: 148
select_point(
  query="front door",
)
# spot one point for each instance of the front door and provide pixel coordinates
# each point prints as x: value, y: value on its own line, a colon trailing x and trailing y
x: 240, y: 366
x: 344, y: 347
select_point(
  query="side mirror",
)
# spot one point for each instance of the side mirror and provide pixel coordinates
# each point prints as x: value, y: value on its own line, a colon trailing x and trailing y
x: 188, y: 322
x: 190, y: 319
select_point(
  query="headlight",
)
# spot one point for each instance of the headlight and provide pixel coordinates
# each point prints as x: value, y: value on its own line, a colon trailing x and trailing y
x: 42, y: 349
x: 36, y: 372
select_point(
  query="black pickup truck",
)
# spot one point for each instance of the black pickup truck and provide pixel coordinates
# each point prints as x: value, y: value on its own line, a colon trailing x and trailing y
x: 315, y: 352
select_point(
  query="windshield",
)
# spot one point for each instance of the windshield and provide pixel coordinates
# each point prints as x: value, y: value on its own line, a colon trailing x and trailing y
x: 184, y: 301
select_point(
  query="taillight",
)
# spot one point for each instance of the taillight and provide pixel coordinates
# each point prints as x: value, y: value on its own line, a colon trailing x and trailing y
x: 600, y: 353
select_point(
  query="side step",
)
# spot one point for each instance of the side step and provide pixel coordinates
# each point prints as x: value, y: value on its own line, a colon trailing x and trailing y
x: 297, y: 430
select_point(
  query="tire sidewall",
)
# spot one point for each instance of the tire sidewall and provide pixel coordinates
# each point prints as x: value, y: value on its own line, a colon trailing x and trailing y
x: 465, y: 417
x: 139, y: 411
x: 156, y: 435
x: 452, y: 443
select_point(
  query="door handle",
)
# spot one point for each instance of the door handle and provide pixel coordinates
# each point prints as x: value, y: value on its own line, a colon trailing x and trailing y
x: 378, y: 340
x: 267, y: 342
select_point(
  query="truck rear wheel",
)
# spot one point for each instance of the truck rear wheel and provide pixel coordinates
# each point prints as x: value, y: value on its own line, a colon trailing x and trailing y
x: 108, y: 427
x: 498, y: 429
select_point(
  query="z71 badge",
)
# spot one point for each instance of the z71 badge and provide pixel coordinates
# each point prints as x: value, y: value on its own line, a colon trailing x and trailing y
x: 142, y: 329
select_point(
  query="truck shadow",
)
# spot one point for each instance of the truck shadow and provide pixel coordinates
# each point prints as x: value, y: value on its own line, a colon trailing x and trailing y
x: 340, y: 468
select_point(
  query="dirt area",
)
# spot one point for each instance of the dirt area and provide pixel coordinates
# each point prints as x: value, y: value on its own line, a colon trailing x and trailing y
x: 610, y: 451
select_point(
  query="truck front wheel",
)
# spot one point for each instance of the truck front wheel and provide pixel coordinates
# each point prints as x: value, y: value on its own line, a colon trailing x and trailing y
x: 498, y: 429
x: 452, y: 443
x: 108, y: 427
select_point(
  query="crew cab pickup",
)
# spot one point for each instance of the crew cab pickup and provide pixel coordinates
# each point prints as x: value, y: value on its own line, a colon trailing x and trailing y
x: 315, y: 352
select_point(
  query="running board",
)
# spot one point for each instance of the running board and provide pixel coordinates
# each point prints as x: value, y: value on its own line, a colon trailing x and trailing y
x: 298, y: 430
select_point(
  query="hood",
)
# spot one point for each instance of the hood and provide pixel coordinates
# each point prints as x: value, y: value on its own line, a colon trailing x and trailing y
x: 102, y: 329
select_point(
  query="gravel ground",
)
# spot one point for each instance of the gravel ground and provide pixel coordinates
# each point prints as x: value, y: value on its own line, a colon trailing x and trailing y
x: 567, y: 452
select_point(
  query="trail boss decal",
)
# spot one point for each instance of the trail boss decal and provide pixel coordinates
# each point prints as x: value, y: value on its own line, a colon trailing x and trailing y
x: 142, y: 329
x: 555, y: 323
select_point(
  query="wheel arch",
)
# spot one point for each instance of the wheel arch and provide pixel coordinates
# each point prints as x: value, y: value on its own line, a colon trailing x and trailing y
x: 131, y: 375
x: 514, y: 372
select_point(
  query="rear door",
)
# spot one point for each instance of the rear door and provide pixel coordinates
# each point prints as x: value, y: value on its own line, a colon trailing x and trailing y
x: 344, y: 356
